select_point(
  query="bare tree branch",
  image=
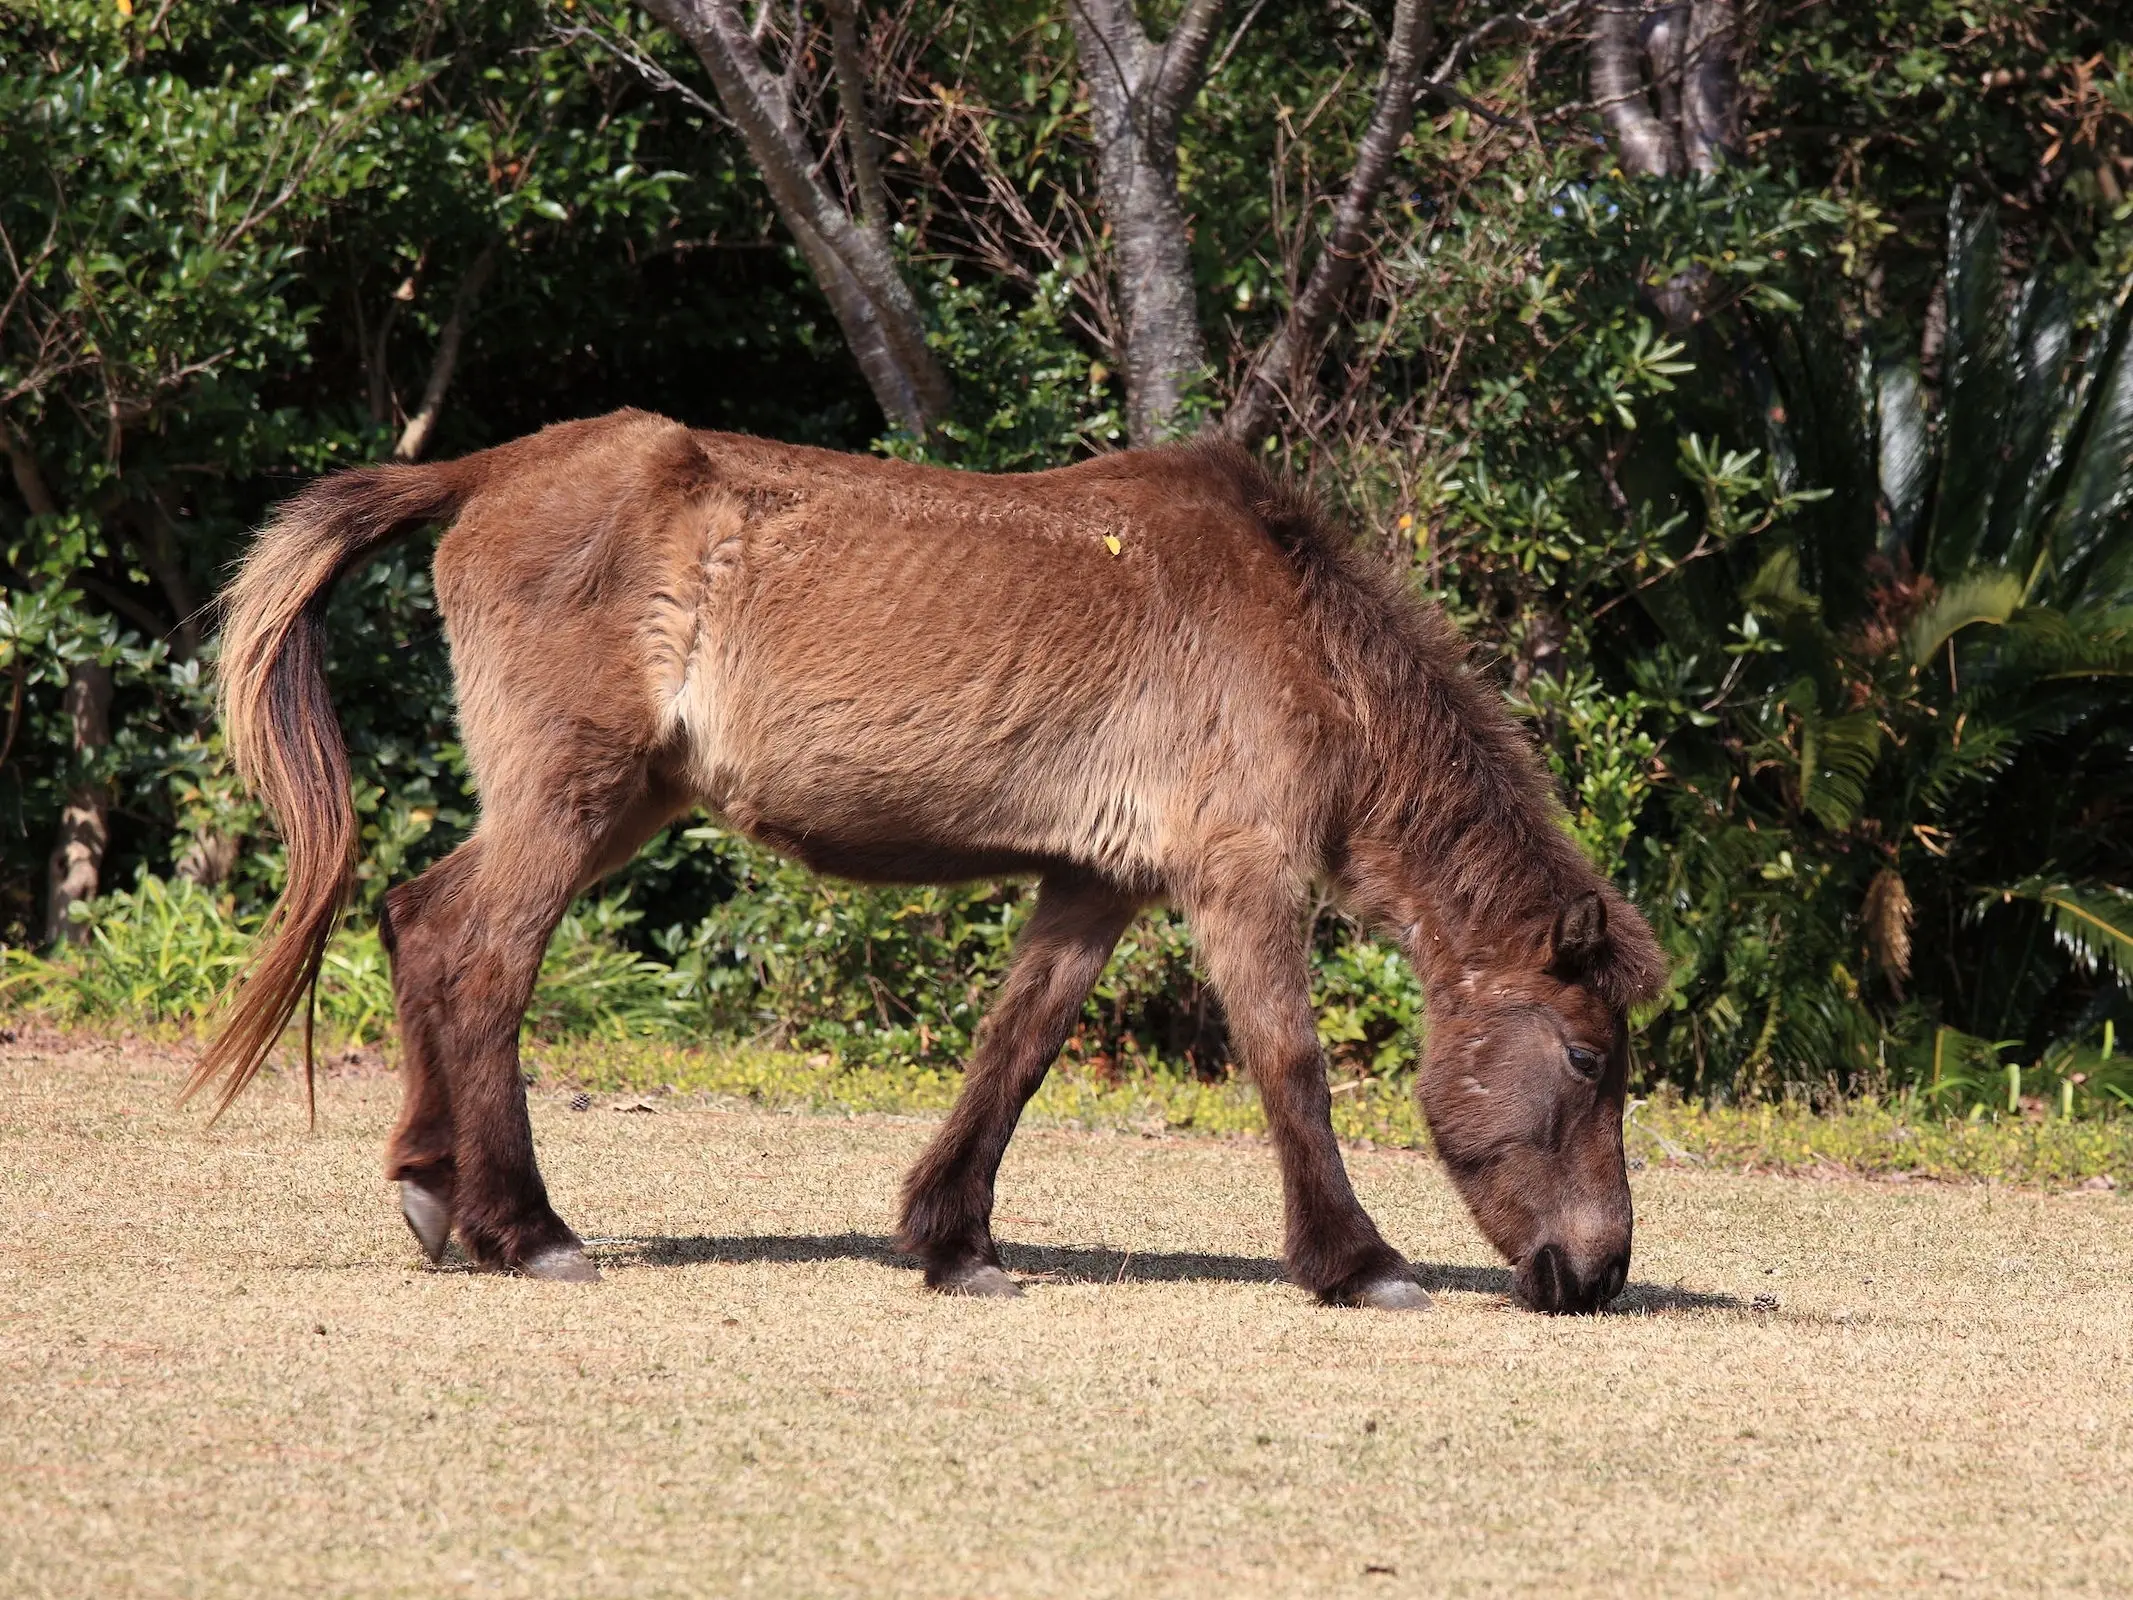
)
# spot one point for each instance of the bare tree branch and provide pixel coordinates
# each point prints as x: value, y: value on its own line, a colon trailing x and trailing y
x: 1507, y: 25
x: 1665, y: 31
x: 613, y: 41
x: 1236, y: 38
x: 1284, y: 366
x: 858, y: 118
x: 415, y: 437
x: 880, y: 316
x: 1429, y: 88
x: 1183, y: 57
x: 1004, y: 229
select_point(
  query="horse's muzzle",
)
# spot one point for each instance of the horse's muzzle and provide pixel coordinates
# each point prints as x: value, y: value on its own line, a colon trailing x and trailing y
x: 1548, y: 1280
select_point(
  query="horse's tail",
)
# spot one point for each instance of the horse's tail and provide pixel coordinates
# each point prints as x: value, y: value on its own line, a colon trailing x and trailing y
x: 285, y: 739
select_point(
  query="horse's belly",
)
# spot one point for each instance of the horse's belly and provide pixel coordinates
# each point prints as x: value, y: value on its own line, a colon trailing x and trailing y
x: 927, y: 793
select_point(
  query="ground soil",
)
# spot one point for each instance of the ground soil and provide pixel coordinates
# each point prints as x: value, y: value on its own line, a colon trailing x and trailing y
x: 223, y: 1371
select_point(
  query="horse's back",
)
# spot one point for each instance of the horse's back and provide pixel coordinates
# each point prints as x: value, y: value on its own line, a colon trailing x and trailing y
x: 1066, y: 665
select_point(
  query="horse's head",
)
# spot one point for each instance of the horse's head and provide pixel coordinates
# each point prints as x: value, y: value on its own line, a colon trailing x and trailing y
x: 1523, y: 1084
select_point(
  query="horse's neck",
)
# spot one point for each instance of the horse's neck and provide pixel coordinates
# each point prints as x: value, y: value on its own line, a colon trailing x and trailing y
x: 1453, y: 937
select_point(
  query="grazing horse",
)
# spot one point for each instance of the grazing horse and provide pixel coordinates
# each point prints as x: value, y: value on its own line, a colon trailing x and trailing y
x: 1156, y: 675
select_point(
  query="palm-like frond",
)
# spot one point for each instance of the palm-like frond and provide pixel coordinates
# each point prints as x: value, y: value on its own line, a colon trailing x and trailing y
x: 2095, y: 642
x: 1931, y: 665
x: 2093, y: 922
x: 1837, y: 755
x: 1976, y: 596
x: 2090, y: 541
x: 2047, y: 386
x: 1906, y: 441
x: 1976, y: 390
x: 1973, y: 750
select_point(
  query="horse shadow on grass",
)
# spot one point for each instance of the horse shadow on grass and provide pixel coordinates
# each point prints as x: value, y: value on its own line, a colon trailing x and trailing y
x: 1094, y: 1264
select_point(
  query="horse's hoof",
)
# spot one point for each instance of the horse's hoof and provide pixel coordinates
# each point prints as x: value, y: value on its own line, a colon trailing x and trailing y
x: 1398, y: 1293
x: 428, y: 1218
x: 983, y: 1282
x: 563, y: 1263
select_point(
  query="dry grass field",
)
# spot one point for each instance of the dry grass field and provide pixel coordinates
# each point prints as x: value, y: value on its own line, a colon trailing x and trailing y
x: 222, y: 1373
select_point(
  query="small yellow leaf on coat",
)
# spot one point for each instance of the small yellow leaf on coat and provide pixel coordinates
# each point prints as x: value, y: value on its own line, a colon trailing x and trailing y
x: 1111, y: 543
x: 125, y: 8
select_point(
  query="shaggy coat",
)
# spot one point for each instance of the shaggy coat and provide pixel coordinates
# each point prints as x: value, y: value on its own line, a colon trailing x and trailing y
x: 1156, y: 675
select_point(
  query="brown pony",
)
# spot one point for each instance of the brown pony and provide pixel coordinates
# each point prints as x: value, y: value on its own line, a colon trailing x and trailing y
x: 1154, y: 675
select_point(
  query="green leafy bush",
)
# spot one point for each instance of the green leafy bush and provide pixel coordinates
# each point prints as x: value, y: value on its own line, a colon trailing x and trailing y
x: 162, y: 953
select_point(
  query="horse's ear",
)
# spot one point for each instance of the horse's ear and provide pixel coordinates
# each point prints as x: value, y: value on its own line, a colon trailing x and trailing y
x: 1579, y: 943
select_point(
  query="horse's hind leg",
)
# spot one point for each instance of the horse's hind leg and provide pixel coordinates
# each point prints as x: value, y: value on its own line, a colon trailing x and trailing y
x: 419, y: 926
x: 947, y: 1208
x: 468, y: 938
x: 1253, y: 942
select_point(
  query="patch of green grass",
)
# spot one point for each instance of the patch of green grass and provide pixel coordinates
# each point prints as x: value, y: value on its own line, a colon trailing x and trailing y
x: 1863, y: 1138
x: 159, y: 955
x: 1873, y: 1139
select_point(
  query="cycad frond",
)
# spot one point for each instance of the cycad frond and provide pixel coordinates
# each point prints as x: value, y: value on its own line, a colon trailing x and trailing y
x: 1906, y: 445
x: 1987, y: 595
x: 2090, y: 542
x: 2090, y: 643
x: 2092, y: 922
x: 1837, y: 756
x: 1979, y: 750
x: 2045, y: 405
x: 1976, y: 390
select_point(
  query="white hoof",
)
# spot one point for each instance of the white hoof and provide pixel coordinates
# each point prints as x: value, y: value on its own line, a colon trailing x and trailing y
x: 565, y: 1263
x: 1393, y: 1294
x: 982, y: 1283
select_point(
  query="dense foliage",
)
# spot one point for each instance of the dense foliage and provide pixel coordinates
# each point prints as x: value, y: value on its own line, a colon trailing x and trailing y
x: 1793, y: 503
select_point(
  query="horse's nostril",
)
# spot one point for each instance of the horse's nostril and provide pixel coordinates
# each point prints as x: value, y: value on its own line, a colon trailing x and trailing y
x: 1546, y: 1279
x: 1550, y: 1282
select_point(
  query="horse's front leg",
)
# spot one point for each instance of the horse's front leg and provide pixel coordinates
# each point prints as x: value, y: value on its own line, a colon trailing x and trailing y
x: 1252, y: 938
x: 947, y: 1205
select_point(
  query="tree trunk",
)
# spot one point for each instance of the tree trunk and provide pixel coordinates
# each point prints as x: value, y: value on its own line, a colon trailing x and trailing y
x: 1646, y: 146
x: 858, y: 117
x: 208, y: 858
x: 1138, y: 92
x: 1690, y: 51
x: 29, y: 478
x: 84, y: 822
x: 77, y: 858
x: 1710, y: 85
x: 881, y: 318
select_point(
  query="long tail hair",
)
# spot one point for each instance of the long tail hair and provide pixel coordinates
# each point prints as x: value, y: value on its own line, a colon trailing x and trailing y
x: 286, y: 741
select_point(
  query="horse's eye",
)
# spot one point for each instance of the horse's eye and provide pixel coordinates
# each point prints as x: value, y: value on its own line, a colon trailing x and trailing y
x: 1585, y: 1063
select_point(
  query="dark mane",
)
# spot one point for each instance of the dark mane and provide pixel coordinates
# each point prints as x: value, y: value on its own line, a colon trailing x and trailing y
x: 1444, y: 763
